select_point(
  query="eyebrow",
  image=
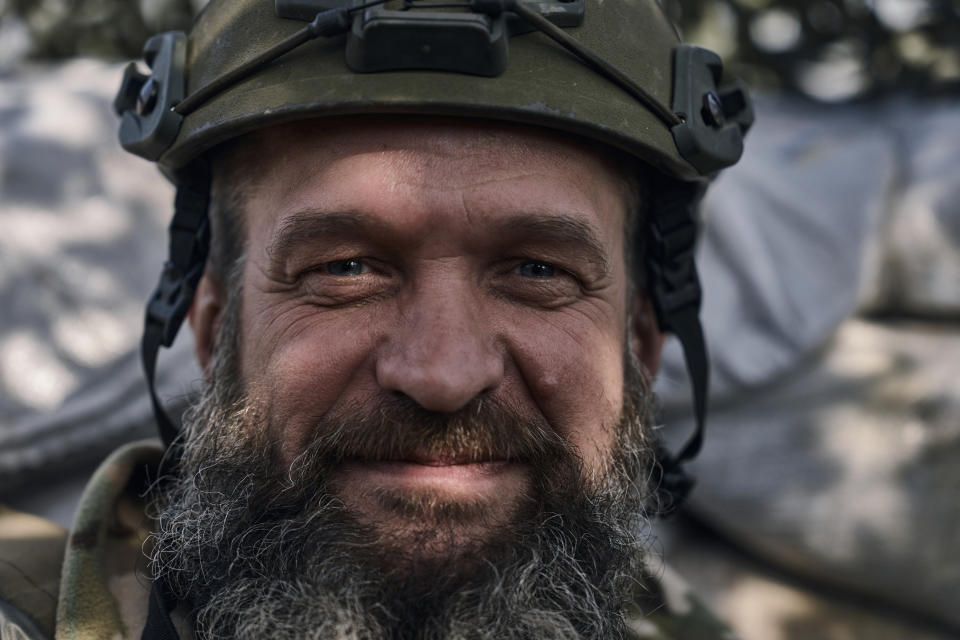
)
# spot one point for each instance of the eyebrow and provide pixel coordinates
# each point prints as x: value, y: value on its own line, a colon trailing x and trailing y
x: 559, y: 229
x: 311, y: 225
x: 564, y: 230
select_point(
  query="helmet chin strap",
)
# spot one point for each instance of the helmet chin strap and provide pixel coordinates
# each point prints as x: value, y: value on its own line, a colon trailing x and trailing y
x: 675, y: 292
x: 171, y: 300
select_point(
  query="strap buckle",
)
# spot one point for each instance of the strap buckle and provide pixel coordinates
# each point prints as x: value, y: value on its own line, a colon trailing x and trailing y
x: 171, y: 300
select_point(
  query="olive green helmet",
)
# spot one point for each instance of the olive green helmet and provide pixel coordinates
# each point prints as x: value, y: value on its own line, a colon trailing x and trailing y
x: 613, y: 71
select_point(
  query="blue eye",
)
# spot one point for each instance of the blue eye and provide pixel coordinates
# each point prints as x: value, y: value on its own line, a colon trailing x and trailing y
x: 537, y: 270
x: 351, y: 267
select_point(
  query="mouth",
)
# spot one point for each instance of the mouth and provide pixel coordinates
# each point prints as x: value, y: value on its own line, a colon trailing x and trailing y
x: 456, y: 477
x: 447, y: 459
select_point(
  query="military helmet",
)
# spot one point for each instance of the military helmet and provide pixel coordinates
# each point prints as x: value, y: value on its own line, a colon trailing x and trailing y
x: 613, y: 71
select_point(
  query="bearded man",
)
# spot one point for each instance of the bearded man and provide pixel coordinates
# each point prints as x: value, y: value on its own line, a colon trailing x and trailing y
x: 428, y: 309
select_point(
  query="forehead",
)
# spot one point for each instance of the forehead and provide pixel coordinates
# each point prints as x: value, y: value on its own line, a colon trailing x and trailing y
x: 450, y: 183
x: 442, y: 152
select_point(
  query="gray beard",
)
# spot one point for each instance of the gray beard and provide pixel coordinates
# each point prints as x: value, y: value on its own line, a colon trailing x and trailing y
x: 256, y: 550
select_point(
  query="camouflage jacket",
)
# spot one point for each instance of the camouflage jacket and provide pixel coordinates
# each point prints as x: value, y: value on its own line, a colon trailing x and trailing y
x: 92, y: 583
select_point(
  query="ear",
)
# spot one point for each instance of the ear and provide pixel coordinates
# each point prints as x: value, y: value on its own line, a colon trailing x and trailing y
x: 646, y: 340
x: 204, y: 317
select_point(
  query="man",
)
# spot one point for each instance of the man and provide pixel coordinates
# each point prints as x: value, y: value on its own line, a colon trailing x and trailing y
x: 437, y: 278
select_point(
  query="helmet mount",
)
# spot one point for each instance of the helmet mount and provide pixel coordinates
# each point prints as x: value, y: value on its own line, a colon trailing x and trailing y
x: 682, y: 123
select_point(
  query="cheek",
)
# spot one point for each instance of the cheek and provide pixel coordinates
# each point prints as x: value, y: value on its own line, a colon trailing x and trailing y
x: 574, y: 373
x: 301, y: 363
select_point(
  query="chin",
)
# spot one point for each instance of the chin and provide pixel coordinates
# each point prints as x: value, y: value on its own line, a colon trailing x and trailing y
x: 420, y: 528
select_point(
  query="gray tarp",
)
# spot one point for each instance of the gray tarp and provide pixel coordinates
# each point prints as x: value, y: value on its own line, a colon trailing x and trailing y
x: 83, y: 237
x: 833, y: 441
x: 831, y: 272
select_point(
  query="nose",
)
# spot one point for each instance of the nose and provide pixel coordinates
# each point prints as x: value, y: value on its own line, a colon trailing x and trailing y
x: 441, y: 353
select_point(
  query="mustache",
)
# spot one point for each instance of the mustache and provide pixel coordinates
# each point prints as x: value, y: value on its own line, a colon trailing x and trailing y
x: 398, y: 429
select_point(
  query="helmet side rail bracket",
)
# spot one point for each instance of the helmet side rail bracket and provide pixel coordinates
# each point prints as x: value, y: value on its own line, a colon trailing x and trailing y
x: 714, y: 118
x: 145, y: 103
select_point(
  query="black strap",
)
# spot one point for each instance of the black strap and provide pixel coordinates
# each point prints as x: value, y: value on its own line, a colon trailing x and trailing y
x: 168, y: 306
x: 687, y: 328
x: 676, y: 296
x: 166, y: 310
x: 159, y: 626
x: 675, y: 483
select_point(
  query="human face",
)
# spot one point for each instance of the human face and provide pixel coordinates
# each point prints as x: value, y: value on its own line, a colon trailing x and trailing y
x: 445, y: 262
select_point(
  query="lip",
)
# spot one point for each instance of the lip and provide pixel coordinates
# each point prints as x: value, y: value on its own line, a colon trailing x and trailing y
x: 434, y: 467
x: 453, y: 476
x: 434, y: 460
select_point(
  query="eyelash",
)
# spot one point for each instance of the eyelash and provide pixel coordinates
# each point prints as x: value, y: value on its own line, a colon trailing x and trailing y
x: 526, y: 281
x: 554, y: 270
x: 329, y: 266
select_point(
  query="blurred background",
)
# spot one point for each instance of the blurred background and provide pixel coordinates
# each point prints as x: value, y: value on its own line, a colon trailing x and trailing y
x: 829, y: 486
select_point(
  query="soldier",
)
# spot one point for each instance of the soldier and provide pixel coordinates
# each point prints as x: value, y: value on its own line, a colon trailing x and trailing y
x: 428, y: 275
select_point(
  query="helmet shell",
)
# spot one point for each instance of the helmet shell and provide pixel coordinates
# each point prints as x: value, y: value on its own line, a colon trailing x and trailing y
x: 543, y: 85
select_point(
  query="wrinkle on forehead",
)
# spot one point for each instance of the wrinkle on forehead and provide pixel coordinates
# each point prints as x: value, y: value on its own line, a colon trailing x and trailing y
x: 413, y: 145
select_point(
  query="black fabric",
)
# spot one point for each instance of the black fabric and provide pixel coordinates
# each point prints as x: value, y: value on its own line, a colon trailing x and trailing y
x: 687, y: 328
x: 675, y: 483
x: 674, y: 288
x: 149, y: 349
x: 159, y: 626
